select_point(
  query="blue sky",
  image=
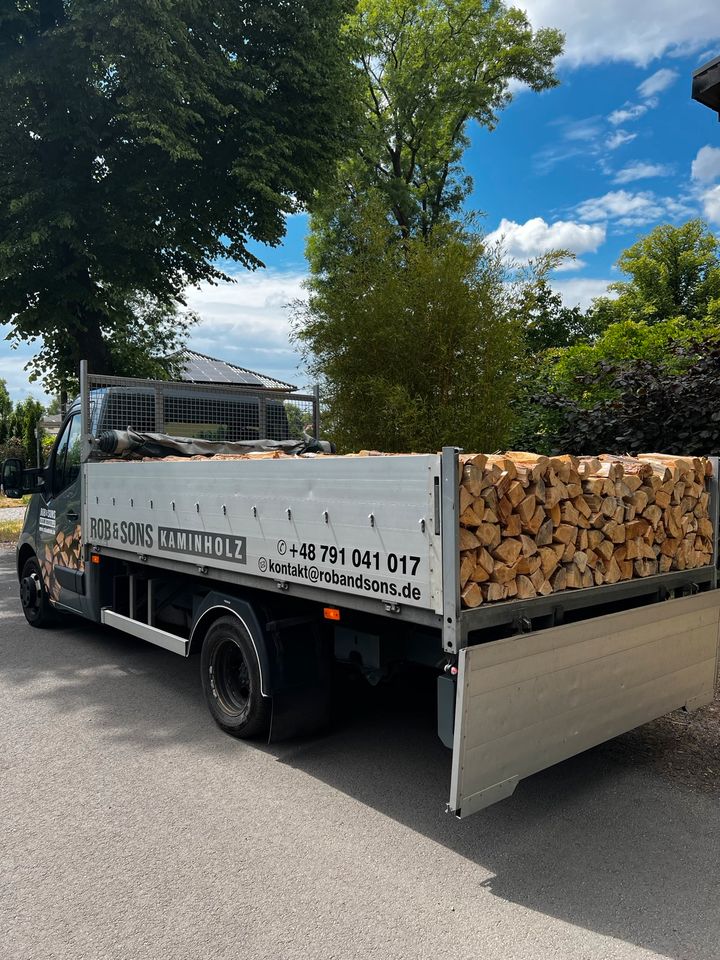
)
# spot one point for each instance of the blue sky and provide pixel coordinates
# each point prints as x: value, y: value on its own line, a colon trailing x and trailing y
x: 618, y: 147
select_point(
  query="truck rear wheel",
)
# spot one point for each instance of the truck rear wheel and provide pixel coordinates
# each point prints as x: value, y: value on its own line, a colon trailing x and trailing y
x: 231, y: 680
x: 33, y: 595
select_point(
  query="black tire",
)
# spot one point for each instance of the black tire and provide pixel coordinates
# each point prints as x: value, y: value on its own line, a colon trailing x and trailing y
x: 231, y: 680
x: 33, y: 596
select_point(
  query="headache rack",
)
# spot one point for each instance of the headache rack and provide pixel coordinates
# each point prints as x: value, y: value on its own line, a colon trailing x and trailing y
x: 203, y: 411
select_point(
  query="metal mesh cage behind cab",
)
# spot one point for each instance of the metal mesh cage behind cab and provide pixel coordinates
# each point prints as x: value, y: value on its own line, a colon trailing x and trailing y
x: 209, y: 412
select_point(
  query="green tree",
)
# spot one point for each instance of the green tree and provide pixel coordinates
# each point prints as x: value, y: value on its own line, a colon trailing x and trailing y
x: 27, y: 416
x: 577, y: 371
x: 297, y: 418
x: 673, y: 272
x: 654, y: 406
x: 6, y: 405
x: 550, y: 324
x: 142, y: 142
x: 669, y: 304
x: 14, y: 429
x: 409, y: 320
x: 415, y: 343
x: 427, y: 68
x: 148, y: 337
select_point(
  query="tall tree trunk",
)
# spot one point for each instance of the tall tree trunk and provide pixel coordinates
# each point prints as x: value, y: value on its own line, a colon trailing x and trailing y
x: 90, y: 344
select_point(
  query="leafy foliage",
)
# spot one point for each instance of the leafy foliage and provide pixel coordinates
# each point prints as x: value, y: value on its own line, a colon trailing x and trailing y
x: 147, y: 339
x: 416, y: 343
x: 549, y: 324
x: 297, y: 419
x: 673, y: 272
x: 141, y: 143
x: 427, y: 68
x: 5, y: 401
x: 584, y: 371
x: 653, y: 407
x: 411, y: 323
x: 17, y: 430
x: 668, y: 305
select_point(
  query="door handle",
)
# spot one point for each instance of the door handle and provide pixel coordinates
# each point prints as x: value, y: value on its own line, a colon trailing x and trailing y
x: 71, y: 515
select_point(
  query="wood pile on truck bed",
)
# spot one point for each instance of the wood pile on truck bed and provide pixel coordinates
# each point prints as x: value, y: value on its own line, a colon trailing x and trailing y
x: 532, y: 525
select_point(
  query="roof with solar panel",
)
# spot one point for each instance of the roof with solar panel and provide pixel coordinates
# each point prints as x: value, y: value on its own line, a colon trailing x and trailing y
x: 199, y: 368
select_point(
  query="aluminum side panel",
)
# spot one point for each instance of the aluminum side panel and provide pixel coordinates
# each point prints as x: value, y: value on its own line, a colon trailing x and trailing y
x: 363, y: 526
x: 527, y: 702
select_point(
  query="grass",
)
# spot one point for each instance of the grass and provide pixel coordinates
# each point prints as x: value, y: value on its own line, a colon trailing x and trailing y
x: 10, y: 530
x: 7, y: 502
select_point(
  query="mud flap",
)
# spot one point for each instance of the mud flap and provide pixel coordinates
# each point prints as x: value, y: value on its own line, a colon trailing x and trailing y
x: 527, y: 702
x: 301, y: 674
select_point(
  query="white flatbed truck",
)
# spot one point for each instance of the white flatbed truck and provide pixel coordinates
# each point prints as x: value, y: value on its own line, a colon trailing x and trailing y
x: 270, y: 569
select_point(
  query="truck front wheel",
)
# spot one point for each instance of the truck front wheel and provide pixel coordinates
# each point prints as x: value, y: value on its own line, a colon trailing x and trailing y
x: 231, y: 680
x: 33, y: 595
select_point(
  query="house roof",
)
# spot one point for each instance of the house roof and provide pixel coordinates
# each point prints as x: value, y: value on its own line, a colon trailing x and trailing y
x: 199, y: 368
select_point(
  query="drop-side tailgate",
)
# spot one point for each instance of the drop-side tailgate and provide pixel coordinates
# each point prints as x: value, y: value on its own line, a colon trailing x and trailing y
x: 527, y: 702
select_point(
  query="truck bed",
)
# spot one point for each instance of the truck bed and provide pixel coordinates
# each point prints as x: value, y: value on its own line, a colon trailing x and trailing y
x: 365, y: 531
x: 374, y: 533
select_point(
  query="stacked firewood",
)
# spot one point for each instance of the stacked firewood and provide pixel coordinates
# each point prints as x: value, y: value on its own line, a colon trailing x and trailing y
x: 532, y: 525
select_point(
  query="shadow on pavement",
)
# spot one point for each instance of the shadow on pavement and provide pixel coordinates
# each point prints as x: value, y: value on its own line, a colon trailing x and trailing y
x: 595, y: 841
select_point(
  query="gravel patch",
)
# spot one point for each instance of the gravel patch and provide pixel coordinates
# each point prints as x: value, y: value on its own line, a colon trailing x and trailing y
x: 681, y: 747
x: 12, y: 513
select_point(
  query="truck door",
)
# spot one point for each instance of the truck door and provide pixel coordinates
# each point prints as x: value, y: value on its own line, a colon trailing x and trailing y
x: 59, y: 534
x: 529, y: 701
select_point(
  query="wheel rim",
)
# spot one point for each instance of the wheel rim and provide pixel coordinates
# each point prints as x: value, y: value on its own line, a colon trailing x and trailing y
x: 231, y: 677
x: 30, y: 594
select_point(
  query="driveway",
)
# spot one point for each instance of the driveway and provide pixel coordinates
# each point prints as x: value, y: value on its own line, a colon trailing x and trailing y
x: 131, y: 828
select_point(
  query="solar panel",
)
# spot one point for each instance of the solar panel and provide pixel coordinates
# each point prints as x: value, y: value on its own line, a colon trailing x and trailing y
x: 199, y: 368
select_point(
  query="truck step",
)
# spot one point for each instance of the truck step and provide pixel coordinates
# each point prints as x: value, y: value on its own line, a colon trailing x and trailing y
x: 143, y: 631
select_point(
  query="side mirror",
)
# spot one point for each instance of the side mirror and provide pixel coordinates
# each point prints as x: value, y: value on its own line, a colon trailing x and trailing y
x: 12, y: 478
x: 16, y: 481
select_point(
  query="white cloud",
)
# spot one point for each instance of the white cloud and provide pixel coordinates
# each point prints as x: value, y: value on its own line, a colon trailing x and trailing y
x: 706, y: 165
x: 640, y: 170
x: 570, y: 265
x: 586, y: 129
x: 619, y: 138
x: 12, y: 370
x: 581, y: 291
x: 711, y: 204
x: 636, y: 32
x: 254, y: 305
x: 630, y: 111
x: 248, y: 322
x: 524, y: 241
x: 632, y: 209
x: 654, y: 84
x: 657, y: 82
x: 587, y: 137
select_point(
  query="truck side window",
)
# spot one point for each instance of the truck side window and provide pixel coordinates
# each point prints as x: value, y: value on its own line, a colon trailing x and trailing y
x: 66, y: 466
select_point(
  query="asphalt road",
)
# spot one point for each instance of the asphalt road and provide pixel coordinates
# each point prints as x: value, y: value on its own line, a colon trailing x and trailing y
x: 131, y: 828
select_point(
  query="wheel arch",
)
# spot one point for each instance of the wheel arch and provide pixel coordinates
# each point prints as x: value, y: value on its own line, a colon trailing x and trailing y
x: 217, y: 605
x: 24, y: 553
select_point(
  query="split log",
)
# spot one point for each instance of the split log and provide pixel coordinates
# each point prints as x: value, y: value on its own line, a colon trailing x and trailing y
x: 472, y: 595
